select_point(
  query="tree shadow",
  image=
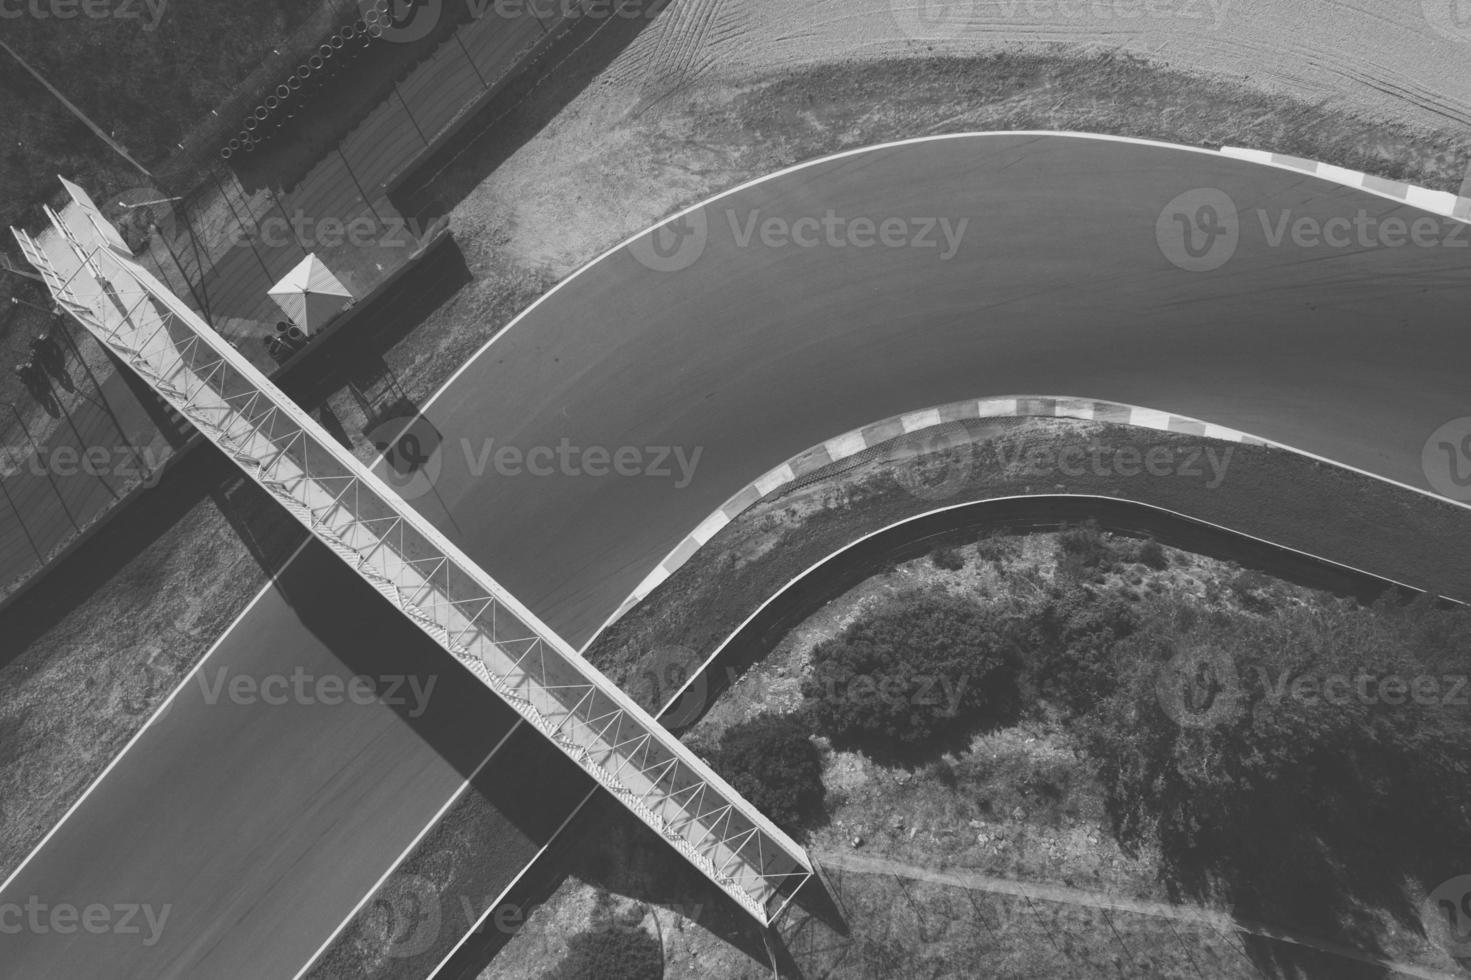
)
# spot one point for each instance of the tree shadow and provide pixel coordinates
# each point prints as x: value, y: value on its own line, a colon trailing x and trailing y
x: 1316, y: 817
x: 606, y: 848
x: 1306, y: 877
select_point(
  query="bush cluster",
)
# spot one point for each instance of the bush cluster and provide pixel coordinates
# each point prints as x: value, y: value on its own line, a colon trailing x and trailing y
x: 1084, y: 553
x: 929, y: 664
x: 771, y: 761
x: 1294, y: 806
x: 997, y: 546
x: 1152, y: 555
x: 1064, y: 650
x: 950, y: 559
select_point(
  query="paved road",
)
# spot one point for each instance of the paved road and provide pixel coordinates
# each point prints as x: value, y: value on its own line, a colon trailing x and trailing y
x: 1059, y: 286
x: 262, y: 826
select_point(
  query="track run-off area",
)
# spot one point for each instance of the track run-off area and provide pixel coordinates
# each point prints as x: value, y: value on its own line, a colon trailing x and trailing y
x: 593, y: 434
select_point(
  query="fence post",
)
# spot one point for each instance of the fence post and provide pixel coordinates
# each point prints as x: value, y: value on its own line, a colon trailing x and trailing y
x: 50, y: 477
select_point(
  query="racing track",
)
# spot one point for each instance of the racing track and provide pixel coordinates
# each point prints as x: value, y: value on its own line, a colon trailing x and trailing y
x: 263, y: 826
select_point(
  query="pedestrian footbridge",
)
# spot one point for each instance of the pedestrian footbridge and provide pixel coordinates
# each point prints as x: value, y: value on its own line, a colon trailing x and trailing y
x: 91, y: 273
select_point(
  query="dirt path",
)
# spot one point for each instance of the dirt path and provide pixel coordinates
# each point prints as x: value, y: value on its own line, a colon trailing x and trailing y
x: 865, y: 864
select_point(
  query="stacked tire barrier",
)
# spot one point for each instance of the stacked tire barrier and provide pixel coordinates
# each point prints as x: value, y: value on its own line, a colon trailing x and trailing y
x: 297, y: 90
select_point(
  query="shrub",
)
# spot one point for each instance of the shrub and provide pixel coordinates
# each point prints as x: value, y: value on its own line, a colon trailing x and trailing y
x: 1252, y: 591
x: 927, y: 664
x: 1065, y: 650
x: 771, y: 761
x: 610, y: 954
x: 949, y: 559
x: 1083, y: 552
x: 1152, y: 555
x: 995, y: 546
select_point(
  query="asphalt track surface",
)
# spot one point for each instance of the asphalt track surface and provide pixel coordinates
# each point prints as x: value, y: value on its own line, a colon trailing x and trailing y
x: 263, y: 826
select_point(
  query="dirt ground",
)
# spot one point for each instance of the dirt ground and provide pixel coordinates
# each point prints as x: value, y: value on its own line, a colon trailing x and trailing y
x: 649, y: 650
x: 1018, y: 806
x: 1401, y: 61
x: 631, y: 147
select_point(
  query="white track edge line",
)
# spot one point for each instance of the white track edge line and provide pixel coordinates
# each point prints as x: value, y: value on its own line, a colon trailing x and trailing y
x: 514, y: 882
x: 856, y: 151
x: 797, y: 579
x: 398, y: 862
x: 470, y: 362
x: 157, y: 714
x: 1065, y: 406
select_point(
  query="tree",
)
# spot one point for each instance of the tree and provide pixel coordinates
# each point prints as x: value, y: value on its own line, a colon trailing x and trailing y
x: 950, y: 559
x: 929, y: 664
x: 771, y: 761
x: 1152, y: 555
x: 1084, y: 553
x: 1228, y: 745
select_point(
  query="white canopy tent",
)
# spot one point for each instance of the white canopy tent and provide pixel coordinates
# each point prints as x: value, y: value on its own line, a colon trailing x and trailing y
x: 310, y: 294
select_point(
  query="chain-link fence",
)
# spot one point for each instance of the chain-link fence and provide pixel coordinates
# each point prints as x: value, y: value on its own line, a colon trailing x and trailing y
x: 77, y: 431
x: 75, y: 436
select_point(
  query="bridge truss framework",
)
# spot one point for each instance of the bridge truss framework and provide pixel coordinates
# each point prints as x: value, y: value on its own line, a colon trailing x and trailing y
x: 91, y: 274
